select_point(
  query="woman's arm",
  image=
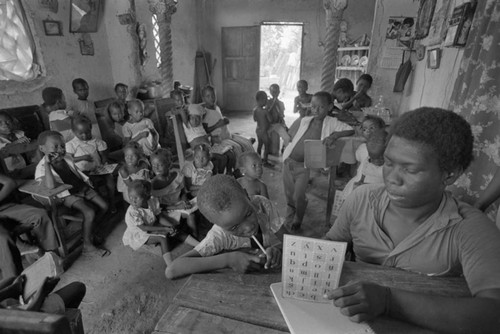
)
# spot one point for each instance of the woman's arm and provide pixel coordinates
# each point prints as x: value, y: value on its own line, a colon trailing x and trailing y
x: 363, y: 301
x: 490, y: 194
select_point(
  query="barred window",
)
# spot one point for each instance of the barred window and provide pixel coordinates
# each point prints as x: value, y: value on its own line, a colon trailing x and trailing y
x: 156, y: 38
x: 19, y: 59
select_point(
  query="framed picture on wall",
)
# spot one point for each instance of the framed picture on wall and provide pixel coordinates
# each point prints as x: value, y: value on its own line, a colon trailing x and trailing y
x: 424, y: 20
x: 433, y: 58
x: 84, y: 15
x: 52, y: 28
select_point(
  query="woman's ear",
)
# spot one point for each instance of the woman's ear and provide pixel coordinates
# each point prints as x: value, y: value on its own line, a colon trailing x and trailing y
x: 451, y: 177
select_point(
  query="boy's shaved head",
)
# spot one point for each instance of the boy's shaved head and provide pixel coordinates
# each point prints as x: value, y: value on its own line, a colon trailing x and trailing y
x: 218, y: 194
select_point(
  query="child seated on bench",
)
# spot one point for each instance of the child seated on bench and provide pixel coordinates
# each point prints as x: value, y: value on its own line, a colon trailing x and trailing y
x: 140, y: 129
x: 197, y: 172
x: 236, y: 218
x: 57, y: 167
x: 59, y: 119
x: 90, y: 153
x: 136, y: 167
x: 10, y: 136
x: 168, y: 187
x: 83, y: 106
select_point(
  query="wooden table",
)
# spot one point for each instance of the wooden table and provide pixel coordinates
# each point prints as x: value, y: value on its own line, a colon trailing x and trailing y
x: 228, y: 302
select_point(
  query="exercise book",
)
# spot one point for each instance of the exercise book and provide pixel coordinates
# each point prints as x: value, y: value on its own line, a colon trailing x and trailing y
x: 46, y: 266
x: 311, y: 269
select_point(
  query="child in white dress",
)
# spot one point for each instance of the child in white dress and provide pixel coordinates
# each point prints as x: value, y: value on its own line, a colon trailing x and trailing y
x: 135, y: 168
x: 140, y: 129
x: 142, y: 217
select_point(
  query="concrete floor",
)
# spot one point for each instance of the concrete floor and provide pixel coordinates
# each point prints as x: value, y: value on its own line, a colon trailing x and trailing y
x: 127, y: 291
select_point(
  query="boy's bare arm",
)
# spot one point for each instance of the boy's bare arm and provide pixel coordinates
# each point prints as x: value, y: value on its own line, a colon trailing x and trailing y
x: 263, y: 190
x: 192, y: 262
x: 330, y: 140
x: 104, y: 156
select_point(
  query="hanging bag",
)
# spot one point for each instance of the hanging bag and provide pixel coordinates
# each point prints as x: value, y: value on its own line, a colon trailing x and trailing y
x: 402, y: 74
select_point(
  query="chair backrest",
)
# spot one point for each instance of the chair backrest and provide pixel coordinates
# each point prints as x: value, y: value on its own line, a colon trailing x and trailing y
x: 103, y: 103
x: 181, y: 143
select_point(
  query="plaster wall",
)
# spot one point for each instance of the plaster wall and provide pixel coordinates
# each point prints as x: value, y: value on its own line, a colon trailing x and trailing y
x: 237, y: 13
x: 424, y: 87
x: 383, y: 78
x: 63, y: 61
x: 185, y: 40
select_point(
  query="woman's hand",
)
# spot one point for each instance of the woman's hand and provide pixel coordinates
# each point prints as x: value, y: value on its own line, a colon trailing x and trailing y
x: 361, y: 301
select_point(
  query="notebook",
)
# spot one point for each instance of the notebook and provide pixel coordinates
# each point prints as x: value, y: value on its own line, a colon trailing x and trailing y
x: 46, y: 266
x: 305, y: 317
x: 311, y: 269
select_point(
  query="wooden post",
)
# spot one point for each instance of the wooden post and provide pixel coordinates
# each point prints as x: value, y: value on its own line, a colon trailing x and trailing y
x: 164, y: 9
x: 334, y: 11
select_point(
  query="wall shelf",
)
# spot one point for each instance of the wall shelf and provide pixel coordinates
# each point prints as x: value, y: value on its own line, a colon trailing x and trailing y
x: 354, y: 48
x: 351, y: 68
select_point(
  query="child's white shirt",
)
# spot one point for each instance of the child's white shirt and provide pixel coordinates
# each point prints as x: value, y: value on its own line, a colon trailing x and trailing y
x: 135, y: 217
x: 92, y: 147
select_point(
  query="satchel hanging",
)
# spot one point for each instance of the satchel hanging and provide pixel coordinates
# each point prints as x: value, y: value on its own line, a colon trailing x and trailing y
x: 402, y: 75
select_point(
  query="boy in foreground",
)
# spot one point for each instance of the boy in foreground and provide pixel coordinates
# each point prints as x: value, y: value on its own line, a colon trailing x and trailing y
x: 237, y: 219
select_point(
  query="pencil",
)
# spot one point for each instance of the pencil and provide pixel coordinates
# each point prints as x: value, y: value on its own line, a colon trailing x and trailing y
x: 258, y: 244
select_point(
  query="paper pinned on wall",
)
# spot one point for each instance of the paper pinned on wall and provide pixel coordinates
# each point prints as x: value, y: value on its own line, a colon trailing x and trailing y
x: 391, y: 58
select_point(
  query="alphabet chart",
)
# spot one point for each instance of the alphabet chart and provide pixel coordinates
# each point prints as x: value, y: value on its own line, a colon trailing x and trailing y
x: 311, y: 267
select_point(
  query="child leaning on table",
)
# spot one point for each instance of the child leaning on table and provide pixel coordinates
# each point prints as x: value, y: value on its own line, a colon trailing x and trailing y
x: 57, y: 167
x: 10, y: 136
x: 141, y: 218
x: 236, y: 218
x: 90, y: 153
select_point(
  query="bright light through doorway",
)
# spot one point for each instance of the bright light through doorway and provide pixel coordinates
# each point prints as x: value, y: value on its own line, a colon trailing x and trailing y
x: 280, y: 59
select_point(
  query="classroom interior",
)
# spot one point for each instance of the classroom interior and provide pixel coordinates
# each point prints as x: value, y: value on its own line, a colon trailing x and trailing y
x: 224, y: 43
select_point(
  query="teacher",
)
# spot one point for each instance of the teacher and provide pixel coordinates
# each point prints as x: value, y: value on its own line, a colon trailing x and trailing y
x: 412, y: 223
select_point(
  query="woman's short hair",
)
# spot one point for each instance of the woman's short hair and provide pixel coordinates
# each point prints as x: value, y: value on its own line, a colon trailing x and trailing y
x: 445, y: 133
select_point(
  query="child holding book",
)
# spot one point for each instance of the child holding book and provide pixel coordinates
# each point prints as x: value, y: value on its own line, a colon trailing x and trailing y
x: 251, y: 168
x: 135, y: 167
x: 142, y: 218
x: 168, y: 187
x: 90, y: 153
x: 238, y: 221
x: 57, y: 167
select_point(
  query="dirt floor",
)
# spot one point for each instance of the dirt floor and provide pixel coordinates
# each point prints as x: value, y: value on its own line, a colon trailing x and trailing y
x: 127, y: 291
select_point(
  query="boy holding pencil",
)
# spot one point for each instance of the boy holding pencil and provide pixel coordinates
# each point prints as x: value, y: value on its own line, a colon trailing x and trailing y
x: 240, y: 222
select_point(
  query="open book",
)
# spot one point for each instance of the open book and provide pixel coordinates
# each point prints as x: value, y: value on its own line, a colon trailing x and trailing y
x: 104, y: 169
x: 46, y: 266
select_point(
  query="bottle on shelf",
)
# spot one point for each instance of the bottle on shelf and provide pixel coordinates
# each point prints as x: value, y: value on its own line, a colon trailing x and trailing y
x: 382, y: 111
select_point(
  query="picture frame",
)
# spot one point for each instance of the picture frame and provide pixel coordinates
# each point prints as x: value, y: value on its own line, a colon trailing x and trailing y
x: 52, y: 27
x: 86, y: 48
x: 424, y: 19
x: 433, y: 58
x: 84, y: 16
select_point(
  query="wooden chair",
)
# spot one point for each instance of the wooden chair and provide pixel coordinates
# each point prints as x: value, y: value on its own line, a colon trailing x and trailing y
x: 67, y: 226
x: 27, y: 322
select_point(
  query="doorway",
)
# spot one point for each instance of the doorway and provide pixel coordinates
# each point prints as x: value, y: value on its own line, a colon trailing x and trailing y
x: 280, y: 59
